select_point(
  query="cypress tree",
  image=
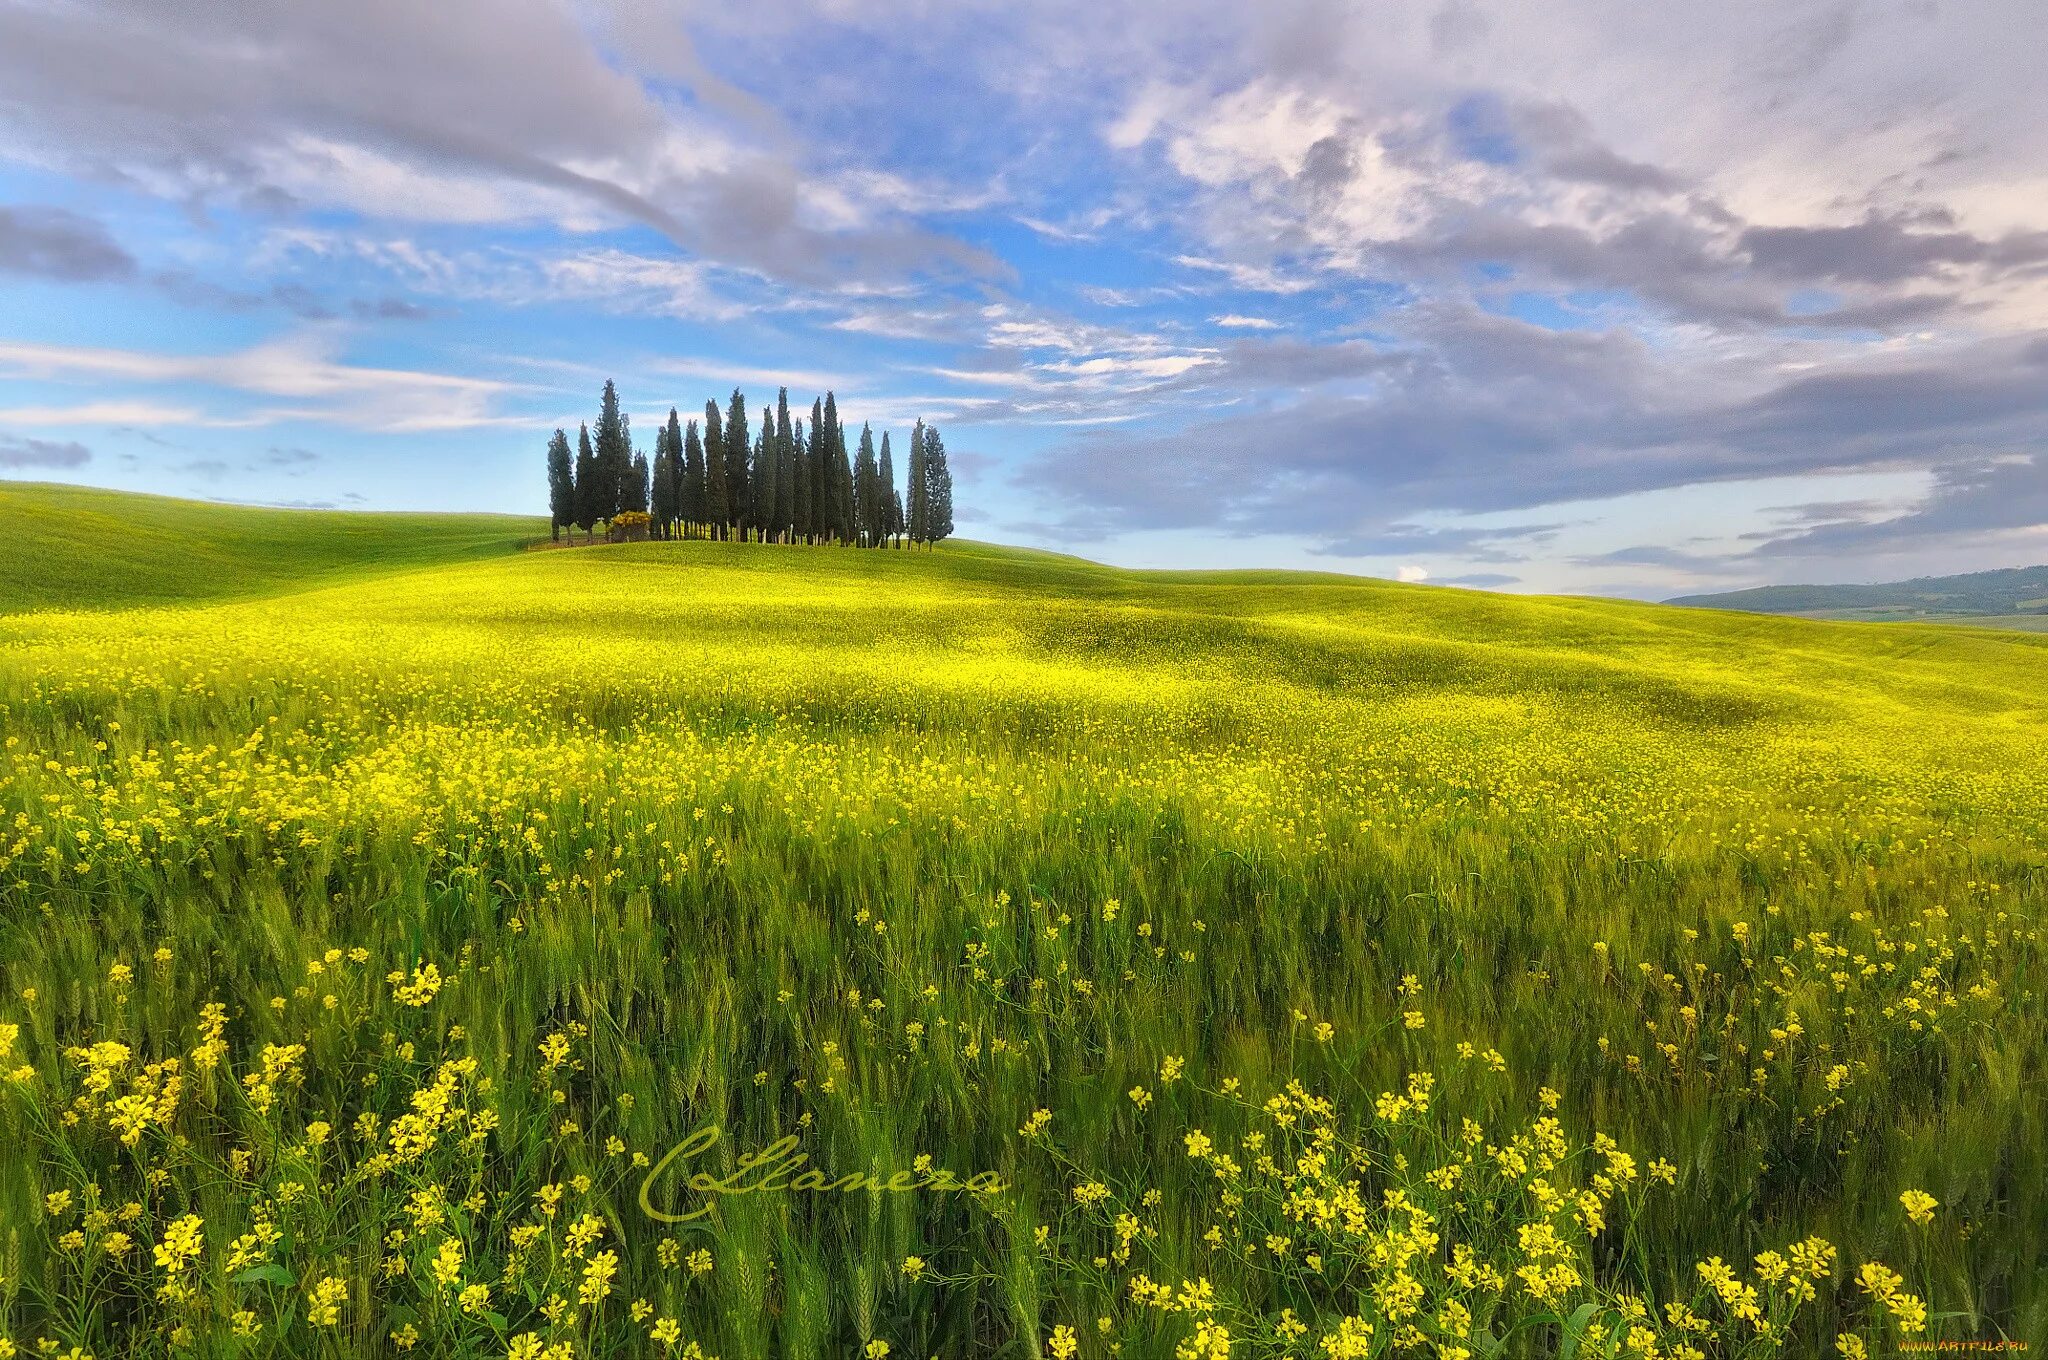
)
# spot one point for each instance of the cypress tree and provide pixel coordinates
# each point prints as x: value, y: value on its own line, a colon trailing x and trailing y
x: 799, y: 485
x: 830, y: 459
x: 765, y: 479
x: 919, y: 509
x: 939, y: 515
x: 717, y: 488
x: 589, y: 496
x: 693, y: 480
x: 561, y: 486
x: 842, y: 471
x: 675, y: 473
x: 737, y: 451
x: 613, y: 457
x: 867, y: 519
x: 636, y: 485
x: 891, y: 503
x: 785, y: 480
x: 661, y: 490
x: 821, y: 485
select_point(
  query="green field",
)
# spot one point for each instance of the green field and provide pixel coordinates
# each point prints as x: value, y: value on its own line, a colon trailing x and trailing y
x: 75, y: 547
x: 1315, y: 966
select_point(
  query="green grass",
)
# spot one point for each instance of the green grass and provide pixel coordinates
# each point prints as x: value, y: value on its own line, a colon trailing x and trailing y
x: 71, y: 547
x: 886, y: 852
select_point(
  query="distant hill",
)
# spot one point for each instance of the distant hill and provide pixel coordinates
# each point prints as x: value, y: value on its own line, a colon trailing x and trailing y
x: 2015, y: 597
x: 76, y: 547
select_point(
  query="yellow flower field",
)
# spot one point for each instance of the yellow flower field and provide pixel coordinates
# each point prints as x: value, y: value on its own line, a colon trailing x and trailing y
x: 1315, y: 968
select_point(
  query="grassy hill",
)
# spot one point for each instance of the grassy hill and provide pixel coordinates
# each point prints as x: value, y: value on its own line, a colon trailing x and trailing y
x: 2008, y: 598
x: 1593, y: 938
x: 72, y: 547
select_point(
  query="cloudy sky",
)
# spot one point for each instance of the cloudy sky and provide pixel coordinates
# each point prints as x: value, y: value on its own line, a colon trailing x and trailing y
x: 1589, y: 295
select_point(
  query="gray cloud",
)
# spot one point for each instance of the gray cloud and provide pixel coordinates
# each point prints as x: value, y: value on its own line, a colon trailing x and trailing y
x: 1653, y: 555
x: 428, y: 112
x: 1882, y: 250
x: 389, y: 309
x: 1514, y: 543
x: 1485, y: 414
x: 56, y: 244
x: 17, y: 451
x: 1970, y: 499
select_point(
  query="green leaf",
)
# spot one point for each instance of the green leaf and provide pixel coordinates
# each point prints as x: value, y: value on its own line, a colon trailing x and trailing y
x: 266, y: 1274
x: 1575, y: 1330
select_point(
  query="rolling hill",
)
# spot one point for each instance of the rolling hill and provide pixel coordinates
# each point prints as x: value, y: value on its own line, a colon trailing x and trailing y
x: 2015, y: 597
x: 424, y: 909
x: 73, y: 547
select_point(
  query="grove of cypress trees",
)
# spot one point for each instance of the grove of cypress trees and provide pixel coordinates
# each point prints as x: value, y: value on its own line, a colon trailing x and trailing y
x: 589, y: 495
x: 561, y: 486
x: 717, y: 486
x: 694, y: 501
x: 780, y: 483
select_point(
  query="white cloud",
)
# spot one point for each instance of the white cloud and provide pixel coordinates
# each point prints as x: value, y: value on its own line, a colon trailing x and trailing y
x: 1233, y: 321
x: 298, y: 367
x: 811, y: 382
x: 114, y: 413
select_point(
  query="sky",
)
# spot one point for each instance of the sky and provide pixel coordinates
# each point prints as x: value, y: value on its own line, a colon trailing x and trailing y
x: 1594, y: 296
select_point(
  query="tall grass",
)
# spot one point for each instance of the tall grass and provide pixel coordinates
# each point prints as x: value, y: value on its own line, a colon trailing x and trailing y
x: 1322, y: 968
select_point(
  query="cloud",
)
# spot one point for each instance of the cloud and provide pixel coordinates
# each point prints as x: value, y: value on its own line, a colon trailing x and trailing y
x: 1654, y: 555
x: 116, y: 413
x: 618, y: 281
x: 745, y: 375
x: 298, y: 369
x: 17, y: 451
x: 1377, y: 281
x: 1970, y: 501
x: 389, y: 309
x: 1471, y: 413
x: 288, y: 457
x: 1882, y: 250
x: 55, y: 244
x: 432, y: 113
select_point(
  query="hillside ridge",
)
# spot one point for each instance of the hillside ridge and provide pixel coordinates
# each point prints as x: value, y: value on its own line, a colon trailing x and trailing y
x: 75, y: 547
x: 1985, y: 597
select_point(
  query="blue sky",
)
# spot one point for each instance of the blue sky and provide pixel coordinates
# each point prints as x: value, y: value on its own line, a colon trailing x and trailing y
x: 1523, y: 296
